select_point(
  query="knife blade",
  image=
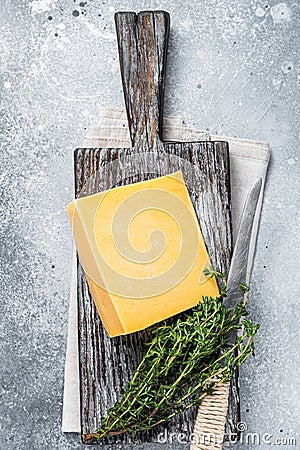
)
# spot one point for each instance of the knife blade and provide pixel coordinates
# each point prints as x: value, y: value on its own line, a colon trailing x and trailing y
x: 239, y: 263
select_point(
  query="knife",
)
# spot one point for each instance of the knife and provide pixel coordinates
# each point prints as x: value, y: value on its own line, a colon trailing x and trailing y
x: 212, y: 412
x: 239, y: 262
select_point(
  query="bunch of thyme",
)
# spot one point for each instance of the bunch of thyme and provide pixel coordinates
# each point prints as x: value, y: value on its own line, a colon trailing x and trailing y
x: 185, y: 360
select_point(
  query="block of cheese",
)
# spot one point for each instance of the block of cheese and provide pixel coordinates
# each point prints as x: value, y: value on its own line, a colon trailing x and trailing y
x: 142, y: 251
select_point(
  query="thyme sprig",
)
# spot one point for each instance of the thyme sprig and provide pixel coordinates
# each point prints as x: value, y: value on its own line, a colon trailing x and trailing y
x: 185, y: 360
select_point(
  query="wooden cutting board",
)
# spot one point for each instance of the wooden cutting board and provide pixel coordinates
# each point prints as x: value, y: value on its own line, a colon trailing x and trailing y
x: 106, y: 364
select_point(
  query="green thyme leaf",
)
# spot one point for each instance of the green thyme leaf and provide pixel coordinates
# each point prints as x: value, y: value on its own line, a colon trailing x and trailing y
x: 185, y: 359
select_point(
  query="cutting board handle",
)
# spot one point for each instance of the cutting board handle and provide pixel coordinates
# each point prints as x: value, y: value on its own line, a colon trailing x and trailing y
x: 142, y: 43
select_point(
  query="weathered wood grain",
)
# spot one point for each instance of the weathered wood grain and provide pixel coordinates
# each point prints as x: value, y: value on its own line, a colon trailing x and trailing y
x: 142, y: 44
x: 107, y: 364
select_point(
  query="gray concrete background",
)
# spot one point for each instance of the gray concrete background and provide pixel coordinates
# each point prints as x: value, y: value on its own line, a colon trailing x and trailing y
x: 233, y: 69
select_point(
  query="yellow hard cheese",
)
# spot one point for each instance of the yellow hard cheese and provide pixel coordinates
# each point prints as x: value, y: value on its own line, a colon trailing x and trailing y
x: 142, y: 251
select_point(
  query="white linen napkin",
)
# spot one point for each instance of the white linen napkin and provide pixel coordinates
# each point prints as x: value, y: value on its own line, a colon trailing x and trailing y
x: 248, y: 161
